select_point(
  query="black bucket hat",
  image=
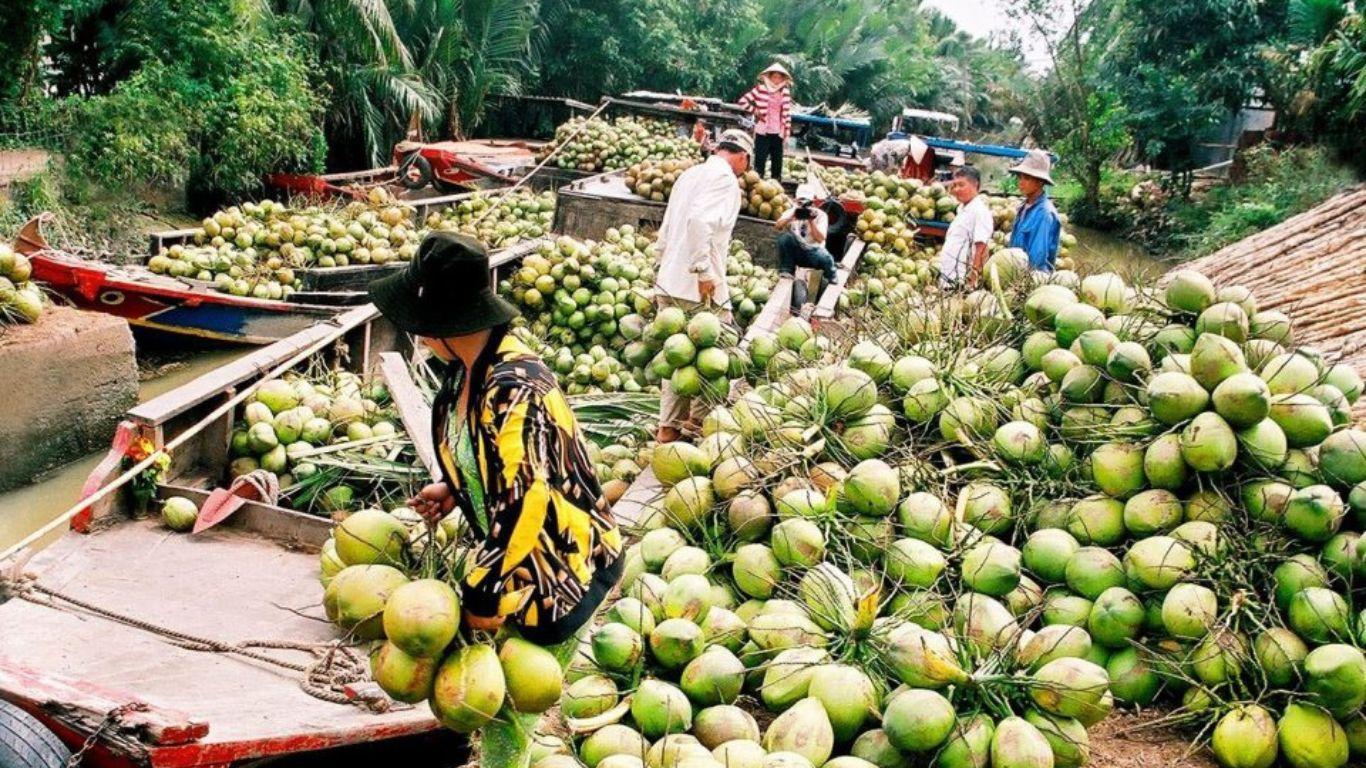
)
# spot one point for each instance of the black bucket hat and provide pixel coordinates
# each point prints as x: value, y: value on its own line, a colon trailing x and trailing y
x: 445, y: 291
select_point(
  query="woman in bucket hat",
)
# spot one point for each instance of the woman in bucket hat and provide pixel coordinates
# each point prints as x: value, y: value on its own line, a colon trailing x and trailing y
x: 1037, y: 226
x: 511, y: 455
x: 770, y: 104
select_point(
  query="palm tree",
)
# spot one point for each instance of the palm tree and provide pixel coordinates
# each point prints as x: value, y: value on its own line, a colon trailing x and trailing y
x: 368, y: 69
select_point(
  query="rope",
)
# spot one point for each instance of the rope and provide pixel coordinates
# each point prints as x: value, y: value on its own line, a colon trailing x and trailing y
x: 335, y: 666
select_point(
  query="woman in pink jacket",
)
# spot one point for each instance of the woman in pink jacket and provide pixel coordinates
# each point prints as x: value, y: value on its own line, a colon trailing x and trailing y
x: 770, y: 102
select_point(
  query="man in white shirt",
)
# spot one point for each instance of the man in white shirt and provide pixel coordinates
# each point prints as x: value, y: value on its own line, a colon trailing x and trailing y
x: 965, y: 245
x: 802, y: 243
x: 694, y: 241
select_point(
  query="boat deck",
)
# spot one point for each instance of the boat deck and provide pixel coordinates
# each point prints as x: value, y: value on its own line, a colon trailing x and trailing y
x: 227, y: 584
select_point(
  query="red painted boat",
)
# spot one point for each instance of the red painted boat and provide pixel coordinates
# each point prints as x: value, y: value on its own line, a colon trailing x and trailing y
x: 157, y: 303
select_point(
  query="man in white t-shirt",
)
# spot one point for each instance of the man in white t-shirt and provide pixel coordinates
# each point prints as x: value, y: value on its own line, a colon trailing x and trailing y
x: 965, y: 246
x: 802, y: 242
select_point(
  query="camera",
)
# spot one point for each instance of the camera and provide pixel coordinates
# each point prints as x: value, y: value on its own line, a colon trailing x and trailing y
x: 804, y: 211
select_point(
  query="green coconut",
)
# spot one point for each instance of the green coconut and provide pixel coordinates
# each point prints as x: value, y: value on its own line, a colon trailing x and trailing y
x: 589, y: 696
x: 675, y: 642
x: 617, y: 647
x: 1314, y: 513
x: 968, y: 746
x: 1174, y: 397
x: 1290, y: 373
x: 742, y: 753
x: 1320, y: 615
x: 1335, y: 676
x: 1083, y: 384
x: 1309, y: 737
x: 722, y: 724
x: 660, y: 708
x: 848, y: 695
x: 1266, y: 500
x: 469, y: 689
x: 1093, y: 570
x: 918, y: 720
x: 1066, y: 737
x: 923, y: 658
x: 533, y: 675
x: 1063, y: 608
x: 676, y: 461
x: 610, y: 740
x: 1046, y: 553
x: 1243, y: 399
x: 1245, y: 737
x: 422, y: 617
x: 1132, y: 679
x: 829, y: 596
x: 714, y: 677
x: 1074, y: 319
x: 1158, y: 562
x: 404, y: 677
x: 1055, y: 641
x: 1118, y: 469
x: 1189, y: 610
x: 1068, y: 687
x: 756, y: 570
x: 991, y: 568
x: 1305, y: 421
x: 1163, y: 466
x: 986, y: 507
x: 1262, y: 446
x: 1226, y: 319
x: 871, y: 488
x: 1152, y: 511
x: 1189, y: 291
x: 179, y: 513
x: 1280, y: 653
x: 1116, y: 617
x: 914, y: 563
x: 355, y: 598
x: 1208, y: 444
x: 798, y: 542
x: 1214, y: 359
x: 1018, y: 744
x: 787, y: 679
x: 371, y: 536
x: 1057, y: 363
x: 1097, y: 520
x: 1342, y: 458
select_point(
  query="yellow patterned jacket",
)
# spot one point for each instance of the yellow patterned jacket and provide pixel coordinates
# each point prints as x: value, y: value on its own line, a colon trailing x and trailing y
x: 550, y: 549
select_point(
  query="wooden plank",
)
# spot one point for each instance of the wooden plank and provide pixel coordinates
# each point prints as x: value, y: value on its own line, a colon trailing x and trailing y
x: 413, y: 410
x: 775, y: 310
x: 85, y: 705
x: 631, y: 508
x: 297, y: 530
x: 227, y: 584
x: 161, y: 409
x: 159, y: 241
x: 848, y: 266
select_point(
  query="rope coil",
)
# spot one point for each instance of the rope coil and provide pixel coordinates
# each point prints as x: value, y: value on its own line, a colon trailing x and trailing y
x: 334, y: 668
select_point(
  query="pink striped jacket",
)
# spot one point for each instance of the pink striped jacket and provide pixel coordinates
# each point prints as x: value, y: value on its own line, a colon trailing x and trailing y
x: 757, y: 101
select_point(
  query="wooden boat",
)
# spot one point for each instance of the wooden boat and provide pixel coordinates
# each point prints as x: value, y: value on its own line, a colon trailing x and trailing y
x: 145, y: 698
x: 160, y: 304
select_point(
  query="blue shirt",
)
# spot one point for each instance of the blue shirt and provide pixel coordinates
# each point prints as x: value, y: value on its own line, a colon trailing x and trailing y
x: 1036, y: 232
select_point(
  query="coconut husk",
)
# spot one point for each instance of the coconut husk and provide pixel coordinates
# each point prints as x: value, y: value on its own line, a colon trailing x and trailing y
x: 1313, y: 268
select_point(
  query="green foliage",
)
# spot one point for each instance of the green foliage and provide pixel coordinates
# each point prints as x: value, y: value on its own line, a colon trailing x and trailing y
x: 217, y: 97
x: 137, y: 134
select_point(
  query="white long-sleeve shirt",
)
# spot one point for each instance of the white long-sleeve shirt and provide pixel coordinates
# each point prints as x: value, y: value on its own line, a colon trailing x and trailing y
x: 694, y: 238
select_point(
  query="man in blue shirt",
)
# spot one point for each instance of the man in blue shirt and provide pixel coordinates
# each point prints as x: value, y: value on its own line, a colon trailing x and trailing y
x: 1037, y: 226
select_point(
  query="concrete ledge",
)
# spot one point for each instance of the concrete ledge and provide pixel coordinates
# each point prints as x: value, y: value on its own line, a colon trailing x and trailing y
x: 64, y: 382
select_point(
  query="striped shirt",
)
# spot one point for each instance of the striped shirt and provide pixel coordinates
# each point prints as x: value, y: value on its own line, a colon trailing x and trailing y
x: 551, y: 549
x: 762, y: 101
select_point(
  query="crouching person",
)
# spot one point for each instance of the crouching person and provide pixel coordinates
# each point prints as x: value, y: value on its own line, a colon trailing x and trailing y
x: 802, y: 244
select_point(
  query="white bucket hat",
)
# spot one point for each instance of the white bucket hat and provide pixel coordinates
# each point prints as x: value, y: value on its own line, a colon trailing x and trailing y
x: 779, y: 68
x: 805, y: 192
x: 1036, y: 164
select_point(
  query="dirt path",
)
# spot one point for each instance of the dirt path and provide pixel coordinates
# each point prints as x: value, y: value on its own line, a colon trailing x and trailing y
x: 1122, y: 741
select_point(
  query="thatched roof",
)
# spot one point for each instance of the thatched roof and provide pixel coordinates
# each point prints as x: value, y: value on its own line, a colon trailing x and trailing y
x: 1313, y: 268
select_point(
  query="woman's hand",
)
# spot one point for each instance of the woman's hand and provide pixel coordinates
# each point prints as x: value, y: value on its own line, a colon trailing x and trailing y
x: 433, y: 502
x: 484, y: 623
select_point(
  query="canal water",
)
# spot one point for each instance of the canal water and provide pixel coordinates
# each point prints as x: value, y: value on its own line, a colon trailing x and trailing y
x: 24, y: 510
